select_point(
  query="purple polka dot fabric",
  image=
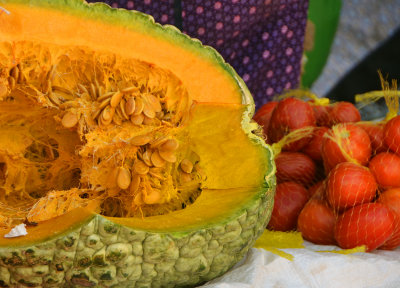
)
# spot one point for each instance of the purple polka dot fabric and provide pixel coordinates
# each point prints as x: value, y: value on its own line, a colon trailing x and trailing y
x: 261, y: 39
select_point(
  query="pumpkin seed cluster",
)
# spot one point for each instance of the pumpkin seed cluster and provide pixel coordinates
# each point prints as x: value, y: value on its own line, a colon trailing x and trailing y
x: 127, y: 114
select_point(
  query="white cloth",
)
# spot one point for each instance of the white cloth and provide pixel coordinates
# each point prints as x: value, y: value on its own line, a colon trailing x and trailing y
x: 310, y: 268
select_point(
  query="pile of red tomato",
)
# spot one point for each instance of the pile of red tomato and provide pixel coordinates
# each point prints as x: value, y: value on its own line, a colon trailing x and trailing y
x: 340, y: 184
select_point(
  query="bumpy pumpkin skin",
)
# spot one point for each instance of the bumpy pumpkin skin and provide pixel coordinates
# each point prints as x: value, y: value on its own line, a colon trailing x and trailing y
x: 97, y: 251
x: 101, y: 253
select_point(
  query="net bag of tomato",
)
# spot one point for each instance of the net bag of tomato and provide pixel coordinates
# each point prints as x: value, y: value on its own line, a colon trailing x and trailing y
x: 325, y: 113
x: 384, y: 163
x: 292, y: 125
x: 360, y: 192
x: 337, y: 176
x: 296, y: 174
x: 289, y: 124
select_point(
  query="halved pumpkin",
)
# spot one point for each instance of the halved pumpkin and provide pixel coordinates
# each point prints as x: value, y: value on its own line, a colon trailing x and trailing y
x: 126, y: 148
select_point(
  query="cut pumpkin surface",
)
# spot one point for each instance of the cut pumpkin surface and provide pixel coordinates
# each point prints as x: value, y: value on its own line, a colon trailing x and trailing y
x: 126, y: 147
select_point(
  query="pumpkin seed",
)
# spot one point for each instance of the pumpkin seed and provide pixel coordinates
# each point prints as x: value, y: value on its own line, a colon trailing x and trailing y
x: 69, y: 104
x: 69, y: 120
x: 14, y: 72
x: 200, y: 171
x: 61, y: 89
x: 158, y: 142
x: 130, y: 89
x: 150, y: 121
x: 148, y: 111
x: 108, y: 113
x: 153, y: 196
x: 151, y: 105
x: 107, y: 116
x: 139, y: 105
x: 96, y: 114
x: 154, y: 102
x: 185, y: 177
x: 83, y: 88
x: 135, y: 184
x: 156, y: 173
x: 122, y: 105
x: 123, y: 178
x: 48, y: 87
x: 105, y: 96
x: 186, y: 166
x: 168, y: 124
x: 157, y: 169
x: 21, y: 78
x: 146, y: 157
x: 130, y: 106
x: 104, y: 103
x: 11, y: 82
x: 137, y: 119
x: 93, y: 92
x: 112, y: 178
x: 96, y: 86
x: 115, y: 99
x: 170, y: 145
x: 117, y: 119
x: 50, y: 74
x: 54, y: 98
x: 138, y: 200
x: 168, y: 155
x: 155, y: 182
x: 99, y: 90
x: 119, y: 112
x: 82, y: 126
x: 140, y: 140
x: 85, y: 96
x: 157, y: 160
x: 140, y: 167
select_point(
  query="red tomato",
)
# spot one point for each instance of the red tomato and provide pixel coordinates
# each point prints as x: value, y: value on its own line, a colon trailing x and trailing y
x: 314, y: 147
x: 316, y: 222
x: 317, y: 190
x: 386, y: 168
x: 345, y: 142
x: 321, y: 113
x: 290, y: 114
x: 296, y: 167
x: 391, y: 199
x: 343, y: 112
x: 392, y: 134
x: 370, y: 224
x: 290, y: 198
x: 350, y: 184
x: 375, y: 133
x: 263, y: 115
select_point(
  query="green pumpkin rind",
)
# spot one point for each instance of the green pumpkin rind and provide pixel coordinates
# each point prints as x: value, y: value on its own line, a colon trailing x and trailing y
x: 101, y: 253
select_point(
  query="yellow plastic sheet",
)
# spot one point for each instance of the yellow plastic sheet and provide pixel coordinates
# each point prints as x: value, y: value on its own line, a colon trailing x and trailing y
x: 274, y: 241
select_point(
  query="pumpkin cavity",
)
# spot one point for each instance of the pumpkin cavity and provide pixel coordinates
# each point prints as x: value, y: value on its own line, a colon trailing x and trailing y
x: 80, y: 128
